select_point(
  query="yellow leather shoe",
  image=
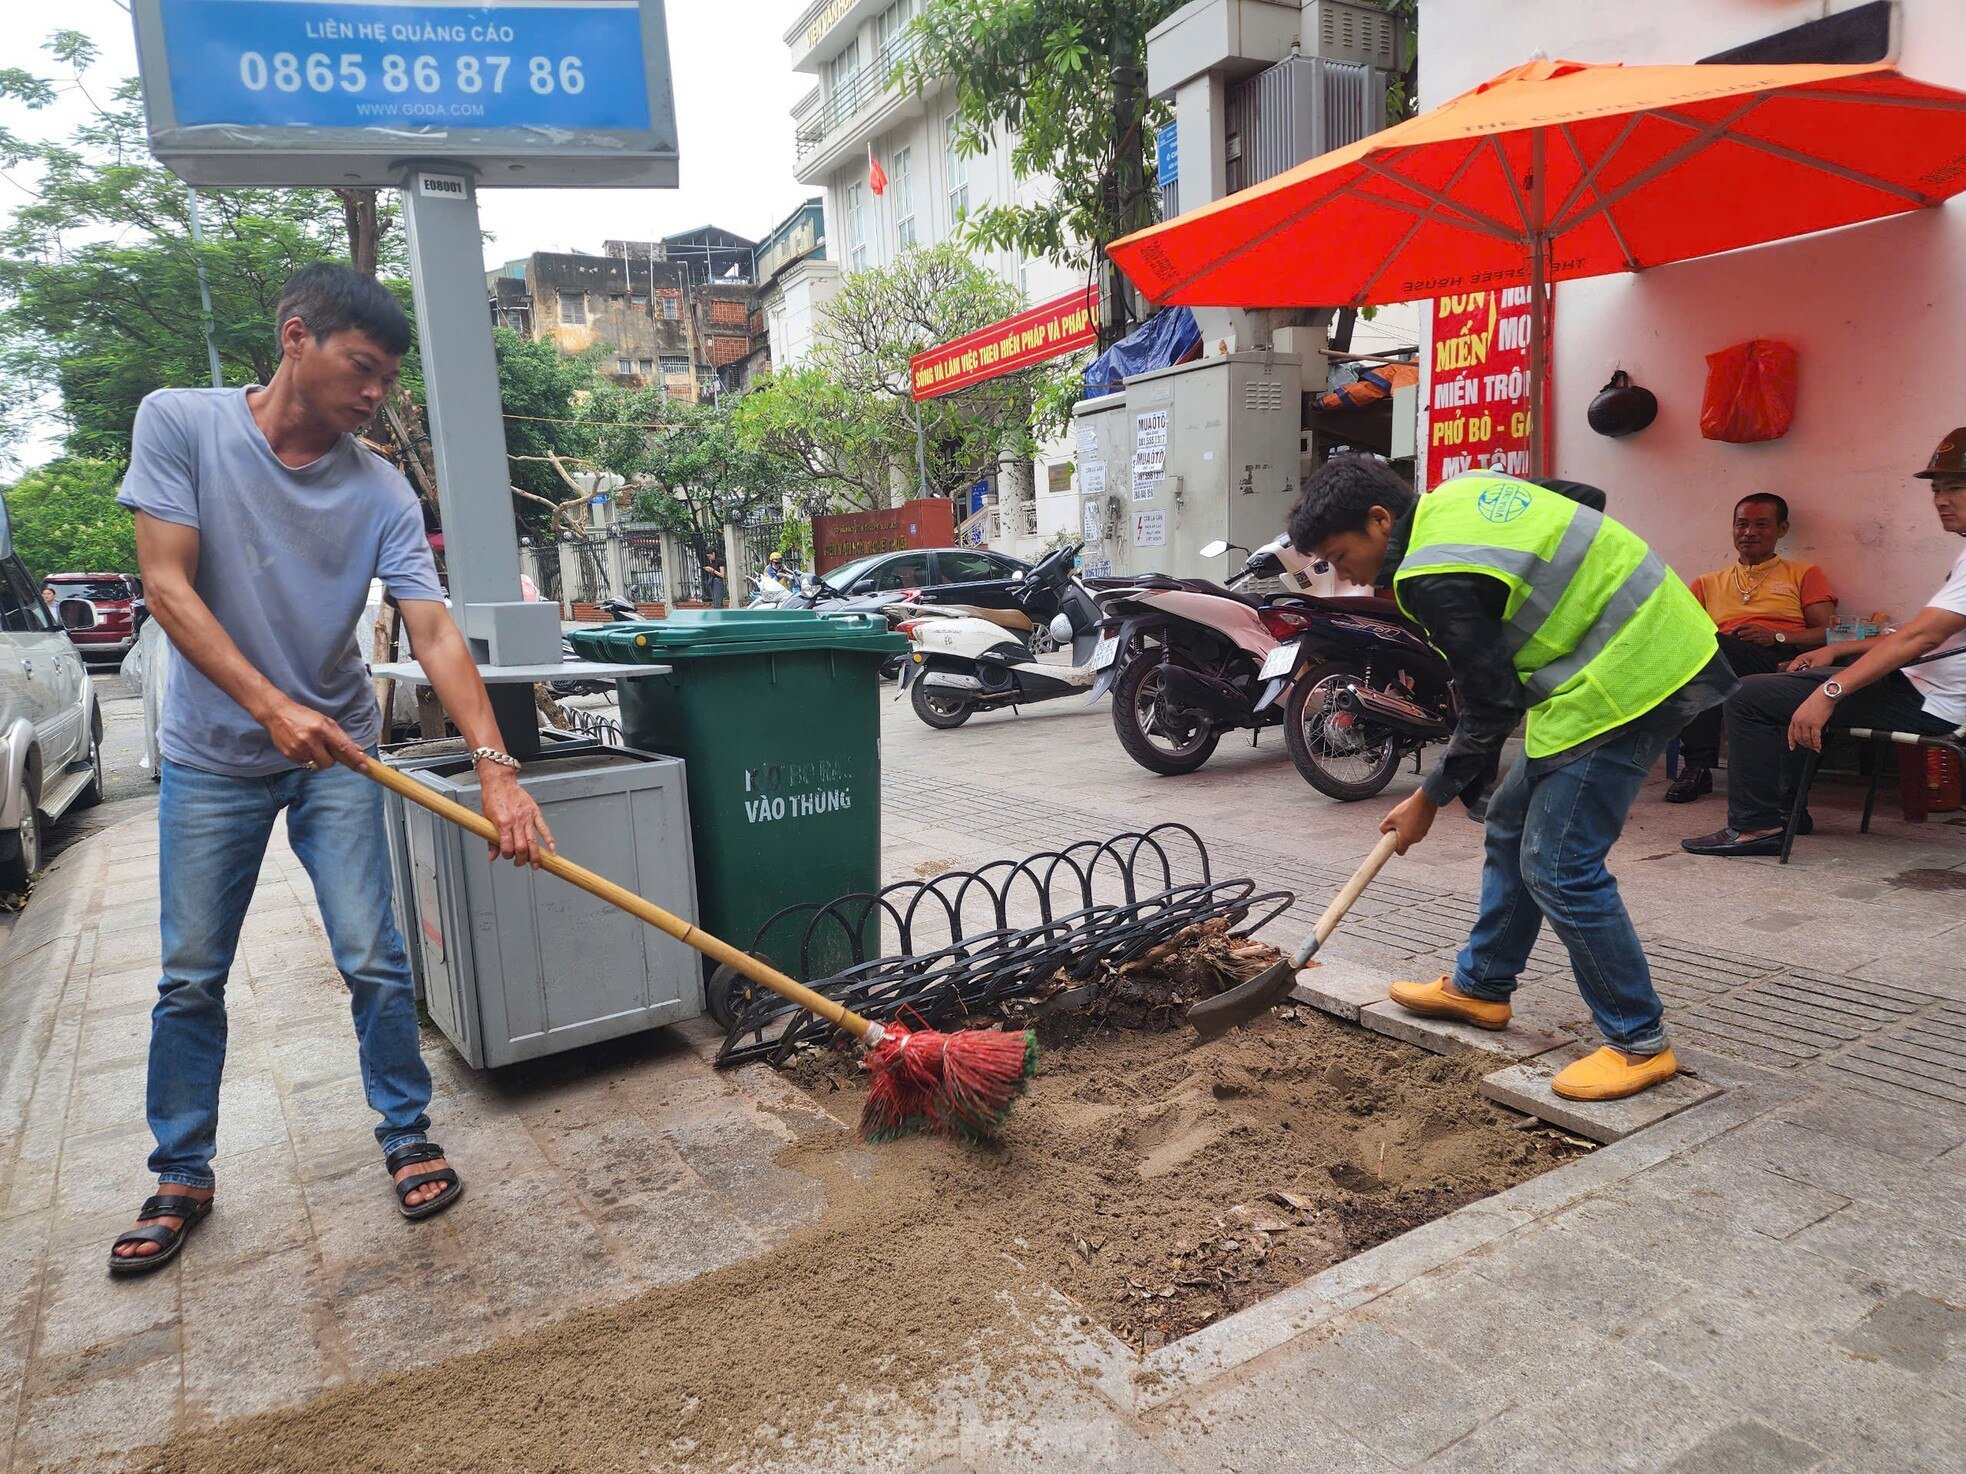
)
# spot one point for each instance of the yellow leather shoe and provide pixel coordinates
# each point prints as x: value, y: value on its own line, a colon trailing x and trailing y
x: 1611, y: 1074
x: 1438, y: 999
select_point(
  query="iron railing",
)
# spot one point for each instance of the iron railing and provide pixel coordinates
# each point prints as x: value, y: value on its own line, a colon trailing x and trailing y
x: 866, y: 87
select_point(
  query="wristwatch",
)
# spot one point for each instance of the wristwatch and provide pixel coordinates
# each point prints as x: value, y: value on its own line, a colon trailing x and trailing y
x: 1781, y: 637
x: 493, y: 755
x: 1832, y: 689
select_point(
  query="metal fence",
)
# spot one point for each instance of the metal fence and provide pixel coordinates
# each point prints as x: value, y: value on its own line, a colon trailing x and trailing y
x: 761, y: 534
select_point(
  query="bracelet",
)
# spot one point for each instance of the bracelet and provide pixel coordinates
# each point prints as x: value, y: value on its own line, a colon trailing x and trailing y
x: 493, y: 755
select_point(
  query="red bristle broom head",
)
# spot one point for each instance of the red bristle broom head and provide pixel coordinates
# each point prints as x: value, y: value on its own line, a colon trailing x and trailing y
x: 959, y: 1084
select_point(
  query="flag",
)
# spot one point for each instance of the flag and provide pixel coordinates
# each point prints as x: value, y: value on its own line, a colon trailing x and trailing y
x: 876, y: 175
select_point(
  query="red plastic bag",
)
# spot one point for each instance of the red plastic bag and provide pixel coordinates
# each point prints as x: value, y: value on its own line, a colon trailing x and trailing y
x: 1750, y: 392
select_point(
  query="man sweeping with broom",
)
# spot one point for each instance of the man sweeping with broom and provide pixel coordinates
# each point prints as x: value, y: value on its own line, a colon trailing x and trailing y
x: 1542, y: 606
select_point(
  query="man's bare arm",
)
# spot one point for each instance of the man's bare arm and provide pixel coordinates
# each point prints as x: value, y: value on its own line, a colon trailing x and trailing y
x: 167, y: 558
x: 446, y: 659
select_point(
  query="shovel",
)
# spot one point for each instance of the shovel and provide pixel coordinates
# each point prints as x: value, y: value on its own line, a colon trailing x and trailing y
x: 1216, y: 1016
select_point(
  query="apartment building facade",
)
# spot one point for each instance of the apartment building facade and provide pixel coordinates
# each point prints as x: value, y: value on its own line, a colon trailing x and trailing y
x: 853, y: 50
x: 677, y: 312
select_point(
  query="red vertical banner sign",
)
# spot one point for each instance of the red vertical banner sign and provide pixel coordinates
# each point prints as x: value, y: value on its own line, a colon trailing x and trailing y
x: 1478, y: 395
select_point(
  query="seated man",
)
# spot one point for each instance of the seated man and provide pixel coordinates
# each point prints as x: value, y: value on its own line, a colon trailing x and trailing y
x: 1767, y: 608
x: 1772, y: 717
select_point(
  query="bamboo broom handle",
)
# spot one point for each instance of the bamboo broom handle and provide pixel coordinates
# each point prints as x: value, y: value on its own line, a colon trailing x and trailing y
x: 627, y: 900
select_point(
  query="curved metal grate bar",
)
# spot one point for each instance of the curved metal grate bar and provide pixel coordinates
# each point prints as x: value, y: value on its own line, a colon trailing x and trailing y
x: 964, y: 943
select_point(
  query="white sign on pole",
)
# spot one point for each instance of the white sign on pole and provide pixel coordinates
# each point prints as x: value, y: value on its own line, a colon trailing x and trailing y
x: 1092, y: 524
x: 1150, y: 529
x: 1092, y: 476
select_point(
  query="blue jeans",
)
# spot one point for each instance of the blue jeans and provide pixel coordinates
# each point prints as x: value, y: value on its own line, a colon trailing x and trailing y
x: 1547, y: 841
x: 213, y: 831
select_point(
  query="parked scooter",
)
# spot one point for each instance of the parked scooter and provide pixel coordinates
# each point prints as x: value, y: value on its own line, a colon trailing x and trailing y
x: 967, y: 661
x: 1352, y: 681
x: 1361, y: 690
x: 1183, y: 658
x: 767, y: 592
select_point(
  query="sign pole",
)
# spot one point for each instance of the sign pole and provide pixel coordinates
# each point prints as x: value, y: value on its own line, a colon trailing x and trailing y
x: 467, y: 434
x: 204, y: 291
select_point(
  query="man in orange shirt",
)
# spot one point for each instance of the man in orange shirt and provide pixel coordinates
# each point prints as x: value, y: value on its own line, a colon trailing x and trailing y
x: 1768, y: 609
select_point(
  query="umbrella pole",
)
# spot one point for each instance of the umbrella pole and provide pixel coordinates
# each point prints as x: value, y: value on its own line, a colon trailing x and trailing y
x: 1539, y: 315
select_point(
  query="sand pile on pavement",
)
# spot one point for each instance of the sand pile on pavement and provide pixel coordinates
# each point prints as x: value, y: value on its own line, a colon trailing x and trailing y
x: 1158, y: 1183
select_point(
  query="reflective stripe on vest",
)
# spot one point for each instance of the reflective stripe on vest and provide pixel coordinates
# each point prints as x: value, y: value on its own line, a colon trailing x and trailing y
x: 1577, y: 582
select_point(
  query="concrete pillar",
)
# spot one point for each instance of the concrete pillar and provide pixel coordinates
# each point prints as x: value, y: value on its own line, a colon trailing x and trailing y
x: 673, y: 586
x: 617, y: 562
x: 569, y: 576
x: 733, y: 566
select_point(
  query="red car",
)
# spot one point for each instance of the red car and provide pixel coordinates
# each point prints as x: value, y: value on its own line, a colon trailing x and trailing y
x: 116, y: 601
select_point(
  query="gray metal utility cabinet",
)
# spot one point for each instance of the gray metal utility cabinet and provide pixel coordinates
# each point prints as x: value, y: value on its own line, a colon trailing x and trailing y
x: 516, y: 963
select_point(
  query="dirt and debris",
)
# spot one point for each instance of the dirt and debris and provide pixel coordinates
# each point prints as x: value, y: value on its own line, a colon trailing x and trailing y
x: 1154, y: 990
x: 1159, y: 1183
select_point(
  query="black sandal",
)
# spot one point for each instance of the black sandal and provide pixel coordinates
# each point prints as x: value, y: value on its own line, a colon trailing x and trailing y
x: 163, y: 1205
x: 423, y: 1151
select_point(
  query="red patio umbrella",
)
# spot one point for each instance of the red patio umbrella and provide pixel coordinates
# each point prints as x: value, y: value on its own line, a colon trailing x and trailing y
x: 1556, y: 170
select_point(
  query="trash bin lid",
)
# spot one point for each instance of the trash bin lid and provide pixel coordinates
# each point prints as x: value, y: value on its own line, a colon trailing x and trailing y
x: 702, y: 633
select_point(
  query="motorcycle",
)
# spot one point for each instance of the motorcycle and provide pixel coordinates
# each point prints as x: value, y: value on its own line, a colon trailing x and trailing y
x: 767, y: 592
x: 1361, y: 690
x: 1352, y: 682
x: 965, y: 661
x: 1182, y: 656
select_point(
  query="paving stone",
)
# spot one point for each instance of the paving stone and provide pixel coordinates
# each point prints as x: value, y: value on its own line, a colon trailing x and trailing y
x: 1808, y: 1390
x: 1747, y: 1447
x: 84, y: 1416
x: 1340, y: 987
x: 1916, y: 1135
x: 1445, y: 1036
x: 231, y: 1319
x: 1922, y: 1257
x: 1525, y: 1087
x: 1576, y: 1275
x: 1742, y: 1196
x: 1388, y: 1392
x: 1913, y: 1333
x: 1265, y: 1423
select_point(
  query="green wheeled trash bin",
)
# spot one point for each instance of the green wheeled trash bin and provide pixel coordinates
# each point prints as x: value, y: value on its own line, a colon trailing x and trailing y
x: 776, y: 716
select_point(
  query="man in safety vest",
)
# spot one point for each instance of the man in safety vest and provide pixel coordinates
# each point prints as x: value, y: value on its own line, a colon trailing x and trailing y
x: 1542, y: 606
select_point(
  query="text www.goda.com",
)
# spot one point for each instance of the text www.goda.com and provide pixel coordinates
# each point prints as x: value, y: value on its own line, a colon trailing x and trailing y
x: 411, y: 109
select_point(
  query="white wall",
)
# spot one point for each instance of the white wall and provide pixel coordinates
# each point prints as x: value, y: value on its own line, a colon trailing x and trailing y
x: 1877, y: 313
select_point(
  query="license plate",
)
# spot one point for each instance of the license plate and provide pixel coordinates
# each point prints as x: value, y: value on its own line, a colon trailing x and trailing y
x: 1105, y: 652
x: 1280, y: 662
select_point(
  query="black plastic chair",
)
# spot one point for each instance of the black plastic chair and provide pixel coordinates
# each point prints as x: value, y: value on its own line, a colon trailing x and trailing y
x: 1881, y: 742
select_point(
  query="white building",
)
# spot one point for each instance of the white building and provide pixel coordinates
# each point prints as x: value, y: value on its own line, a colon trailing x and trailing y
x: 1876, y: 311
x: 852, y: 48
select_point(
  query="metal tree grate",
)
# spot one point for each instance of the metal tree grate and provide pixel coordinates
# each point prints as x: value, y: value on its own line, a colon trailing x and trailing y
x: 967, y: 942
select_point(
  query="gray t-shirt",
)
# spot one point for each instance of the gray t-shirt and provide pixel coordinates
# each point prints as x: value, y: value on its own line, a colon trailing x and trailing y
x: 285, y: 559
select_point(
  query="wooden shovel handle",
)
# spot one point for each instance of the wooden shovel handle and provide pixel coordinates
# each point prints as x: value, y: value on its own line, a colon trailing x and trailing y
x: 615, y: 895
x: 1354, y: 888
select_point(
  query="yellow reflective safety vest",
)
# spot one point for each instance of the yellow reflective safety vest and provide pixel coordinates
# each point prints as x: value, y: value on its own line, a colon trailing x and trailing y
x: 1600, y: 629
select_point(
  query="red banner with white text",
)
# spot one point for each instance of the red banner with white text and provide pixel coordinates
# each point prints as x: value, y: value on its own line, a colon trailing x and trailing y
x: 1042, y: 332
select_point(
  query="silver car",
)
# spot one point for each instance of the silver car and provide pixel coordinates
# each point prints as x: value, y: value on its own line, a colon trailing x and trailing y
x: 50, y: 727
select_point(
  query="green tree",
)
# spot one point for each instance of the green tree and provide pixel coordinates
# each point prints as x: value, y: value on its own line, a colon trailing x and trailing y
x: 1068, y: 79
x: 65, y: 519
x: 690, y: 467
x: 843, y: 421
x: 543, y: 392
x: 99, y: 275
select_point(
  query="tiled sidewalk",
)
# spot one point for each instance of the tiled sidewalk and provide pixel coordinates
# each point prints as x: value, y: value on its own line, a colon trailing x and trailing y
x: 1770, y: 1281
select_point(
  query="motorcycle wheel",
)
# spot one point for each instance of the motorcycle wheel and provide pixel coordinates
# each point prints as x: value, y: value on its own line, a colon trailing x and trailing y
x: 1135, y: 695
x: 1334, y: 761
x: 944, y: 713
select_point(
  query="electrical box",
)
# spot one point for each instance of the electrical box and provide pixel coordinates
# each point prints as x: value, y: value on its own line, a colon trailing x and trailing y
x: 1214, y: 458
x: 517, y: 963
x: 1103, y: 433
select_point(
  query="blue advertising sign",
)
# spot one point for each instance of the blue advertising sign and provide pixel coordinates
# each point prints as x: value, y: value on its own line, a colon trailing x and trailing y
x: 572, y: 65
x: 1167, y: 158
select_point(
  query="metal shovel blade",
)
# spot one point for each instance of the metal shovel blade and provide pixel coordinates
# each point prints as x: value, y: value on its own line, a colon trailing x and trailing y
x: 1216, y: 1016
x: 1213, y: 1017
